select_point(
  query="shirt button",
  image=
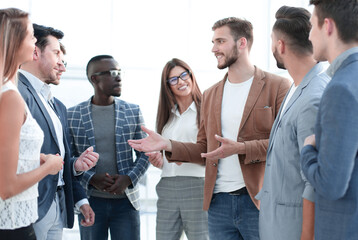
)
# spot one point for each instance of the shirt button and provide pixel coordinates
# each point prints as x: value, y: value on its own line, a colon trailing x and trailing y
x: 214, y: 164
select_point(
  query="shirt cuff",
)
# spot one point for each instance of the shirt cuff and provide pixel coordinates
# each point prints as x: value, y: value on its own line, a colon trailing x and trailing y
x: 81, y: 202
x: 76, y: 173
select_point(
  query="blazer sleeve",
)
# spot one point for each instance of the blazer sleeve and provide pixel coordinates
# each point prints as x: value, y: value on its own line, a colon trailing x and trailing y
x: 329, y: 169
x: 77, y: 190
x: 190, y: 152
x: 305, y: 127
x: 141, y: 162
x: 75, y: 131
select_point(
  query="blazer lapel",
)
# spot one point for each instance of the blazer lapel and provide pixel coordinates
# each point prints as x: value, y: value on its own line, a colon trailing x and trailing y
x: 86, y: 115
x: 275, y: 125
x: 217, y: 105
x: 255, y: 90
x: 120, y: 119
x: 298, y: 92
x: 42, y: 108
x: 300, y: 88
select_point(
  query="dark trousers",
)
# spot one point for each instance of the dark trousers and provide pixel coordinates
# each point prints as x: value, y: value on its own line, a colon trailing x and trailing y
x: 24, y: 233
x: 116, y: 215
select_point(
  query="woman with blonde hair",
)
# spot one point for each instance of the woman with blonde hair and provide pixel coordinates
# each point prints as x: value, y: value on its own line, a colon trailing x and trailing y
x: 180, y: 189
x: 20, y: 136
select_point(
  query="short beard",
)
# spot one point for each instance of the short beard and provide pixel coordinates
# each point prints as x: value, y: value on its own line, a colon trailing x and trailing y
x: 278, y: 63
x: 232, y: 58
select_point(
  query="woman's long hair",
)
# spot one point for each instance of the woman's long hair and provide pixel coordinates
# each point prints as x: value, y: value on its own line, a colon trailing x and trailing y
x: 167, y: 99
x: 13, y: 30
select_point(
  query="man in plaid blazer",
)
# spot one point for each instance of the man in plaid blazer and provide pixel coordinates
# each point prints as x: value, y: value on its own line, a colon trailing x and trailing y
x: 106, y: 123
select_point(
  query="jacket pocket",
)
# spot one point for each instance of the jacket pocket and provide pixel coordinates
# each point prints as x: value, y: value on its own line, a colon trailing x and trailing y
x: 289, y: 204
x: 263, y: 119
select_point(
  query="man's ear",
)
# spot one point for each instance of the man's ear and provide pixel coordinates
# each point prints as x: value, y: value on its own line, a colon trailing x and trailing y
x: 242, y: 43
x: 36, y: 54
x: 93, y: 80
x: 330, y: 26
x: 281, y: 46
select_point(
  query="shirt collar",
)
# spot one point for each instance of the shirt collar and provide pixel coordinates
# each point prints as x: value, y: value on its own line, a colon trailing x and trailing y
x: 39, y: 86
x: 192, y: 107
x: 336, y: 64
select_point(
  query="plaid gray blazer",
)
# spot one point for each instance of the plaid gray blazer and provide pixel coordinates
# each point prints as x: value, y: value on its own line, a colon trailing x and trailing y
x: 128, y: 121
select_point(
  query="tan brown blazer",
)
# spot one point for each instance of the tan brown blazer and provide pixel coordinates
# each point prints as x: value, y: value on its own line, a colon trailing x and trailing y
x: 263, y: 103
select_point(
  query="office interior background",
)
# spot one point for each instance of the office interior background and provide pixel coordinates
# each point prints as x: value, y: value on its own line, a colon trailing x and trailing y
x: 143, y: 35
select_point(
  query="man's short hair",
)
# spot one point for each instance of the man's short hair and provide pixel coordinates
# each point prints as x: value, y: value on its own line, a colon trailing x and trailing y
x: 42, y: 32
x: 343, y: 12
x: 238, y: 28
x: 294, y: 24
x: 94, y: 60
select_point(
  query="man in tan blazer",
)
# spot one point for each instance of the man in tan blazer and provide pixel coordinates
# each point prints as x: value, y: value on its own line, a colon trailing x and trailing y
x: 241, y: 108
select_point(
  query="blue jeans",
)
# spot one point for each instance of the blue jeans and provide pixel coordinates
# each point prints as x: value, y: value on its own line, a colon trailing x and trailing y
x: 117, y: 215
x: 233, y: 217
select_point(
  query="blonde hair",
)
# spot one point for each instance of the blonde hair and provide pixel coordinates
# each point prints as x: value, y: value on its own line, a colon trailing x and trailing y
x: 13, y: 28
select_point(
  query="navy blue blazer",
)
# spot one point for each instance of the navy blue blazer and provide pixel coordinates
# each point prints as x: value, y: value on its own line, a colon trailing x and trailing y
x: 47, y: 186
x: 332, y: 167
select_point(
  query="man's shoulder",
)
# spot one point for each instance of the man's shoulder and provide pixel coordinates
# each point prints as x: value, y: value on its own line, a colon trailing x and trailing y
x: 126, y: 105
x: 77, y: 107
x: 270, y: 78
x: 213, y: 89
x: 21, y: 83
x: 272, y: 82
x: 348, y: 70
x: 318, y: 83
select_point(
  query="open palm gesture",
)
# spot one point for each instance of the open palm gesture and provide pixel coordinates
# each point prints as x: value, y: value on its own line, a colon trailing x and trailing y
x: 153, y: 142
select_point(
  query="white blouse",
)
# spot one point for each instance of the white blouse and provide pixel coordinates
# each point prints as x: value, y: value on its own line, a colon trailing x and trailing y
x: 21, y: 209
x: 182, y: 127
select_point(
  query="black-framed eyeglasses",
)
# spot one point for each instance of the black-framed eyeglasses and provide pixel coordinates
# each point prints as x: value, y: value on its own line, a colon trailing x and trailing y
x: 183, y: 76
x: 112, y: 73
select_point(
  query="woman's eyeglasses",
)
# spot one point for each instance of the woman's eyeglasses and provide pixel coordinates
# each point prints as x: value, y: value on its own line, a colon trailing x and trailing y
x: 183, y: 76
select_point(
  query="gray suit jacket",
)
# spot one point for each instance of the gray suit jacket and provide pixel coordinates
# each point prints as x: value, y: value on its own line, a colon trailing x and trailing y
x: 284, y: 185
x: 332, y: 167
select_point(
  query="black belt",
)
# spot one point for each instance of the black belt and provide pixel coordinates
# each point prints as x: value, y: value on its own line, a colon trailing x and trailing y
x: 240, y: 191
x: 59, y: 188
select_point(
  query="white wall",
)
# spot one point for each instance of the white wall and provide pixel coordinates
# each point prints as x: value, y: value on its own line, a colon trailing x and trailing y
x: 143, y: 35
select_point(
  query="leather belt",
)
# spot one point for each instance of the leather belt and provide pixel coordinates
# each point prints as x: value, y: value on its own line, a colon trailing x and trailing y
x: 240, y: 191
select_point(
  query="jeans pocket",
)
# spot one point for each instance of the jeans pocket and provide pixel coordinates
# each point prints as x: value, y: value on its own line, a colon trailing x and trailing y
x: 213, y: 198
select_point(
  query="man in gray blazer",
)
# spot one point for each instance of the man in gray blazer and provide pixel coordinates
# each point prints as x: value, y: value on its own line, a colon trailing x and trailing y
x: 287, y: 199
x: 330, y: 159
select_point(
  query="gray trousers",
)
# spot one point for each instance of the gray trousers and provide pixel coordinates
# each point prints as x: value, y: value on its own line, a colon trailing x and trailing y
x: 50, y: 227
x: 180, y: 208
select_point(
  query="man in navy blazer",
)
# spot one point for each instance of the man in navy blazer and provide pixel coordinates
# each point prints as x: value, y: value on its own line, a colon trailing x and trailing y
x: 330, y: 158
x: 57, y: 193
